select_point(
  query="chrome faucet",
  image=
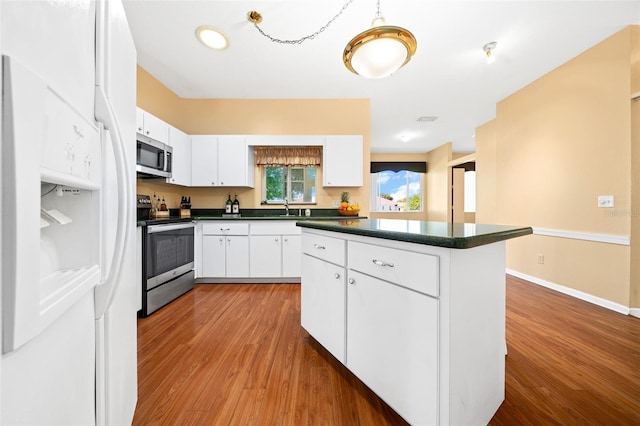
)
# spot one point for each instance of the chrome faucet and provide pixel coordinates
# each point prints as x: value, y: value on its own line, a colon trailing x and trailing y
x: 286, y: 207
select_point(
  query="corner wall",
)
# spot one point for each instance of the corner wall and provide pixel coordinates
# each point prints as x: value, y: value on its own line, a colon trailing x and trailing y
x: 559, y: 143
x: 438, y: 200
x: 257, y: 117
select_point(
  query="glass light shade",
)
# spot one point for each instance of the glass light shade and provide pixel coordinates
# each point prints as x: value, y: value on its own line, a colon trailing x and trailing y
x: 212, y: 37
x: 379, y: 52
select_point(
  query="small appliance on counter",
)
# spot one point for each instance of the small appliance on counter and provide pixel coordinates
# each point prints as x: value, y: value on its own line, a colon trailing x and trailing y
x: 143, y: 207
x: 185, y: 207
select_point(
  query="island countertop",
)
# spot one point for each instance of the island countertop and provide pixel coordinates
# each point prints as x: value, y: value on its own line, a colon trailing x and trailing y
x: 439, y: 234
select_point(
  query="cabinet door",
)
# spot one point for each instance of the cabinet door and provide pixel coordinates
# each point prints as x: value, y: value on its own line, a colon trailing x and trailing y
x: 291, y: 255
x: 392, y: 345
x: 232, y: 161
x: 266, y: 256
x: 213, y: 256
x: 139, y: 120
x: 155, y: 128
x: 323, y: 304
x: 181, y: 158
x: 342, y: 161
x: 204, y: 160
x: 237, y: 256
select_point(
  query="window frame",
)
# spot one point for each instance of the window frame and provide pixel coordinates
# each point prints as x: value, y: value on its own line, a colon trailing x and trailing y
x: 375, y: 192
x: 287, y: 183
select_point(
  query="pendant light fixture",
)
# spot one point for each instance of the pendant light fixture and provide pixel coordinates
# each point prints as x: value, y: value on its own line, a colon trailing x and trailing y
x: 375, y: 53
x: 379, y: 51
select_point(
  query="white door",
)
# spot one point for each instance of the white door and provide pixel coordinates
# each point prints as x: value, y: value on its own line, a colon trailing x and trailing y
x: 323, y: 304
x: 213, y: 256
x: 291, y: 255
x: 237, y: 256
x: 204, y: 160
x: 266, y: 256
x: 232, y: 160
x: 392, y: 345
x: 181, y: 157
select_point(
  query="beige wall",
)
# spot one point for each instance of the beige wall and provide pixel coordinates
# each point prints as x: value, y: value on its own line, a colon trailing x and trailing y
x: 418, y: 156
x: 486, y: 174
x: 256, y: 116
x: 438, y: 200
x: 557, y: 144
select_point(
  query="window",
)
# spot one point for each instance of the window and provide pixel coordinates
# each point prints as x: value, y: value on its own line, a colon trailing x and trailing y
x: 288, y: 173
x: 296, y: 184
x: 396, y: 191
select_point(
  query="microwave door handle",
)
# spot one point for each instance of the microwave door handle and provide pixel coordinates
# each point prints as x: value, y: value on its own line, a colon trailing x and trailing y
x: 106, y: 290
x: 160, y: 159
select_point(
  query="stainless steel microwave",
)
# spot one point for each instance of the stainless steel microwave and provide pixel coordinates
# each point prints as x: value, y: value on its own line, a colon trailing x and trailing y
x: 153, y: 158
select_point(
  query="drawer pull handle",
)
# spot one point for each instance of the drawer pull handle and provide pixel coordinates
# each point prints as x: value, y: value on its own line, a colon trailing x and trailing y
x: 336, y: 275
x: 319, y: 247
x: 352, y: 281
x: 225, y: 229
x: 382, y: 263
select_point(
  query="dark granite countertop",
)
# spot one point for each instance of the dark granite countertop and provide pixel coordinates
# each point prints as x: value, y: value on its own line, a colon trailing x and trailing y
x: 317, y: 214
x: 440, y: 234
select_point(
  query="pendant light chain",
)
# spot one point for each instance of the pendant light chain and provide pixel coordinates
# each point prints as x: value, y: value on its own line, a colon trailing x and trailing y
x: 309, y: 37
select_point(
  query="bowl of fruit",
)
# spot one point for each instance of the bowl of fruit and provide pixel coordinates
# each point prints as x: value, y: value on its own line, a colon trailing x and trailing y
x: 346, y: 208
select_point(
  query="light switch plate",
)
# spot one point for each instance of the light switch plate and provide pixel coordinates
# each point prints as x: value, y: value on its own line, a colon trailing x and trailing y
x: 605, y: 200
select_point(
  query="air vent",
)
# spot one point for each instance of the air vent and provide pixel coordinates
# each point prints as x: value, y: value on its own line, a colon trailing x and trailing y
x: 427, y: 118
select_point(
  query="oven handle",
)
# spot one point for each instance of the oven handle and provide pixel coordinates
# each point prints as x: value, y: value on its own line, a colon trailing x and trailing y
x: 164, y: 228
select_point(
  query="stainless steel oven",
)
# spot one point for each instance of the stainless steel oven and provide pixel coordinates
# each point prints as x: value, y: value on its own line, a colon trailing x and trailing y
x: 167, y: 251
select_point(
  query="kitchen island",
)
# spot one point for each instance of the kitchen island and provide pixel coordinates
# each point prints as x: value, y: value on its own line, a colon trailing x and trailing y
x: 416, y: 310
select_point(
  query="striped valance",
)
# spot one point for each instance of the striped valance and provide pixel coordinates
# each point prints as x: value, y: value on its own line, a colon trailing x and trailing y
x: 299, y: 156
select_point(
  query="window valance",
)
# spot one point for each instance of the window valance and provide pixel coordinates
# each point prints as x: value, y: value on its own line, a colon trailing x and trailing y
x: 396, y: 166
x: 298, y: 156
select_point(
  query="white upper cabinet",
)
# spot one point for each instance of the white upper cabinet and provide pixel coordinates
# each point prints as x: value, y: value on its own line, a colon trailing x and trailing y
x: 342, y: 161
x: 204, y: 160
x: 149, y: 125
x: 235, y: 161
x: 221, y: 161
x: 181, y: 157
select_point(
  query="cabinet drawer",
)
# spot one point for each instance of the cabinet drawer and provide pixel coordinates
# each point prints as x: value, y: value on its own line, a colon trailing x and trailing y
x: 417, y: 271
x: 326, y: 248
x: 225, y: 228
x: 279, y: 227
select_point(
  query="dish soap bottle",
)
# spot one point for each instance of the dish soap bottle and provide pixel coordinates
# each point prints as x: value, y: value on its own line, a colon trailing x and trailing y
x: 227, y: 206
x: 235, y: 207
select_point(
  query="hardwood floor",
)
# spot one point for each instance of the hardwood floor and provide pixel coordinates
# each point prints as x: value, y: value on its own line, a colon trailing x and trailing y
x: 235, y: 354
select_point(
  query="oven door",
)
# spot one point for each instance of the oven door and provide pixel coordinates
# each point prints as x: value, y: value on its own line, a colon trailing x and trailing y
x: 169, y: 252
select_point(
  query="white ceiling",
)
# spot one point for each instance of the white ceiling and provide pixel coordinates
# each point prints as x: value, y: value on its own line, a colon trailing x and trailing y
x: 448, y: 76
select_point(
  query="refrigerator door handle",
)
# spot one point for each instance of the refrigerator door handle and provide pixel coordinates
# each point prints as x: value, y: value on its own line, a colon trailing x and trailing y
x: 106, y: 290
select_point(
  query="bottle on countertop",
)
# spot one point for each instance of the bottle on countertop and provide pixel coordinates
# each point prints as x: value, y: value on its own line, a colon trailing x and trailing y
x: 163, y: 206
x: 227, y: 205
x: 235, y: 207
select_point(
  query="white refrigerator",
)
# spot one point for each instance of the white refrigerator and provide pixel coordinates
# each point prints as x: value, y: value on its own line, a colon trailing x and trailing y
x: 67, y: 157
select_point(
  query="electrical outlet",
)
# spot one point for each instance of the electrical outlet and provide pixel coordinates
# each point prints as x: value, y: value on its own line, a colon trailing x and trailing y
x: 541, y: 258
x: 605, y: 201
x: 336, y: 203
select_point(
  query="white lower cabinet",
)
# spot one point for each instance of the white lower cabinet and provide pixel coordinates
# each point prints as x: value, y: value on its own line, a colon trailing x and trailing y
x: 275, y: 249
x: 392, y: 345
x: 291, y: 256
x: 323, y: 304
x: 266, y: 256
x: 225, y: 250
x: 423, y: 327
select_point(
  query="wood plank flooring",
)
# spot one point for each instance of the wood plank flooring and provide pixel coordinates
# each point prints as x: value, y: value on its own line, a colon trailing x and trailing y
x: 235, y: 354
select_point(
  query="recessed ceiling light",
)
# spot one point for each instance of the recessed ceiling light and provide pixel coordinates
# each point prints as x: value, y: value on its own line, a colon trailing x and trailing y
x: 404, y: 138
x: 212, y: 37
x: 427, y: 118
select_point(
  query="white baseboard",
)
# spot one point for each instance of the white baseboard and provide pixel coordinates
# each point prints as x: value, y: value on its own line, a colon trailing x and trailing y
x: 577, y: 294
x: 635, y: 312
